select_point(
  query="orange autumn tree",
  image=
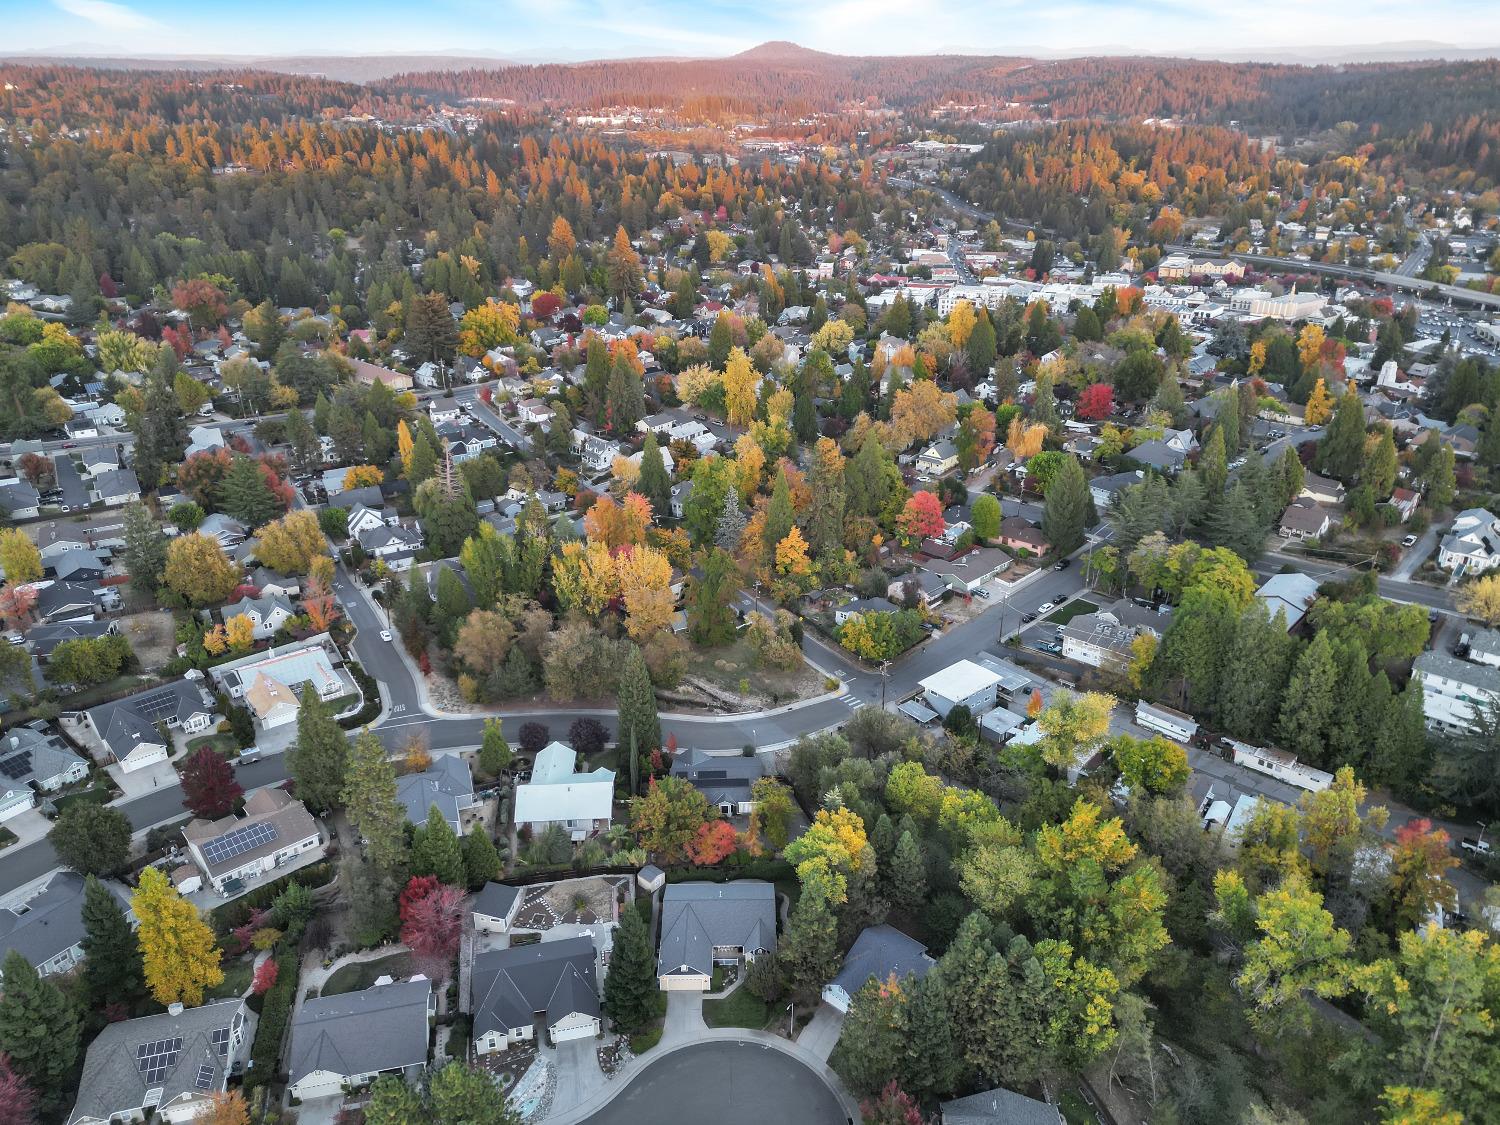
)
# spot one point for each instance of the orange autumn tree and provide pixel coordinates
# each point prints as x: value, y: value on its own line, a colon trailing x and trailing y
x: 713, y: 843
x: 618, y: 525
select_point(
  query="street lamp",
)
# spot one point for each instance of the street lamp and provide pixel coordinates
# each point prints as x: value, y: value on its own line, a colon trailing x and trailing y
x: 885, y: 666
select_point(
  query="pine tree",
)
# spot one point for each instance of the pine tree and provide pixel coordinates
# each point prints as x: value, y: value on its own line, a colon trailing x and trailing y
x: 178, y: 951
x: 866, y: 483
x: 1310, y: 699
x: 39, y: 1028
x: 1343, y: 447
x: 711, y: 616
x: 779, y: 516
x: 625, y: 400
x: 630, y: 989
x: 369, y: 798
x: 482, y: 861
x: 494, y: 752
x: 431, y: 332
x: 637, y: 704
x: 1213, y: 464
x: 809, y: 953
x: 1068, y: 505
x: 246, y: 495
x: 112, y: 970
x: 145, y: 553
x: 424, y: 460
x: 436, y: 850
x: 319, y: 759
x: 654, y: 484
x: 930, y: 1067
x: 1260, y: 660
x: 908, y: 878
x: 732, y: 522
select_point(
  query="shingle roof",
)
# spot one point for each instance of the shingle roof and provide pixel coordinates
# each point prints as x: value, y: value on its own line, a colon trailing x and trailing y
x: 447, y: 783
x: 124, y: 723
x: 28, y: 755
x: 50, y: 923
x: 719, y: 777
x: 696, y: 917
x: 495, y: 900
x: 882, y: 952
x: 510, y: 986
x: 1000, y: 1107
x: 376, y: 1029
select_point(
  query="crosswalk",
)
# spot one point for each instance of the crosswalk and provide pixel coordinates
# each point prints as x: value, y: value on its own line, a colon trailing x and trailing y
x: 849, y: 700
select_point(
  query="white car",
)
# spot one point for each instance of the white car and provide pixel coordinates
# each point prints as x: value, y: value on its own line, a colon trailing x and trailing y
x: 1409, y: 541
x: 1046, y: 607
x: 385, y: 635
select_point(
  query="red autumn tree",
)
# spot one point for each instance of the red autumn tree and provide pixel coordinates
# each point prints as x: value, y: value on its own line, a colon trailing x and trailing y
x: 713, y: 843
x: 16, y: 603
x: 1419, y: 861
x: 202, y: 300
x: 1097, y: 401
x: 244, y: 935
x: 893, y: 1106
x: 180, y: 340
x: 17, y: 1100
x: 432, y: 927
x: 417, y: 888
x: 209, y: 787
x: 922, y: 518
x: 544, y: 306
x: 36, y: 468
x: 202, y: 475
x: 107, y: 287
x: 265, y: 977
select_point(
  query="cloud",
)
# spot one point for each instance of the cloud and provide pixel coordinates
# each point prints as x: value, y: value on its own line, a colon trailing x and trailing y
x: 107, y: 15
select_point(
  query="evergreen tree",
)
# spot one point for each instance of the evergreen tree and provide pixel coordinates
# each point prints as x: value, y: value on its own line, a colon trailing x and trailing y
x: 1234, y: 523
x: 39, y: 1028
x: 1213, y: 464
x: 482, y: 861
x: 112, y: 971
x: 654, y: 484
x: 631, y: 992
x: 636, y: 704
x: 431, y: 332
x: 779, y: 516
x: 494, y: 752
x: 625, y: 400
x: 145, y: 553
x: 369, y: 798
x: 931, y: 1066
x: 452, y: 604
x: 809, y: 953
x: 1342, y: 449
x: 319, y: 759
x: 424, y: 459
x: 1068, y: 507
x: 1255, y: 674
x: 867, y: 484
x: 908, y: 878
x: 160, y: 433
x: 732, y: 522
x: 436, y: 850
x: 247, y: 496
x: 979, y: 349
x: 1310, y: 700
x: 711, y: 615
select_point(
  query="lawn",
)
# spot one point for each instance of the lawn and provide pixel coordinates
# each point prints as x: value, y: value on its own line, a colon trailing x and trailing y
x: 1075, y: 1110
x: 363, y: 974
x: 1075, y: 608
x: 95, y: 796
x: 237, y: 974
x: 741, y: 1008
x: 224, y: 744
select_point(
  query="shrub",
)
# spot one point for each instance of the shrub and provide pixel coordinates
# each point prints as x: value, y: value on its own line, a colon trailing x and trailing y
x: 643, y: 1041
x: 276, y: 1009
x: 588, y: 736
x: 533, y: 736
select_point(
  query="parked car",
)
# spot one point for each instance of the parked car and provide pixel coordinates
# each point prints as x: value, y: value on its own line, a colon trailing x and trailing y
x: 1050, y: 647
x: 1062, y: 564
x: 1046, y: 607
x: 1027, y: 618
x: 385, y: 635
x: 982, y: 593
x: 1475, y: 847
x: 1409, y: 542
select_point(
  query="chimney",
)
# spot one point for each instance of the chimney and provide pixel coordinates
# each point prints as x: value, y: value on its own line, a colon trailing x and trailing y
x: 174, y: 1009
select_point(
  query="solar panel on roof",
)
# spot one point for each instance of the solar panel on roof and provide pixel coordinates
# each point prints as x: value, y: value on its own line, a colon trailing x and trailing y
x: 241, y: 840
x: 205, y: 1079
x: 154, y: 1060
x: 221, y: 1040
x: 16, y: 766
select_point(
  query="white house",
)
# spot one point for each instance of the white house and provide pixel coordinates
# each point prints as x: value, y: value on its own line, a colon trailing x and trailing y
x: 47, y: 929
x: 345, y: 1042
x: 1280, y: 765
x: 32, y: 761
x: 267, y: 613
x: 363, y: 518
x: 276, y: 830
x: 1164, y: 720
x: 441, y: 411
x: 964, y: 683
x: 129, y: 729
x: 1472, y: 544
x: 1454, y: 690
x: 557, y: 794
x: 494, y: 907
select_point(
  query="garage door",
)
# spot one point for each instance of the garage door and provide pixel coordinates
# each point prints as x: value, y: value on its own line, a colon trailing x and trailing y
x: 564, y: 1030
x: 139, y: 760
x: 319, y: 1085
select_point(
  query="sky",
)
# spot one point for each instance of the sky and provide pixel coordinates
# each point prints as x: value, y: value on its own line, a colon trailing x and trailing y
x: 535, y: 30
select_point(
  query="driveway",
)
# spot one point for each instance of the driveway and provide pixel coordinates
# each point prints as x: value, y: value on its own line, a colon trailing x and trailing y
x: 684, y: 1017
x: 75, y: 494
x: 576, y: 1064
x: 822, y: 1032
x: 726, y: 1083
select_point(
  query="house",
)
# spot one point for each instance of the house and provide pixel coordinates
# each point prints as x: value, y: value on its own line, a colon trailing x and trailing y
x: 682, y: 491
x: 228, y: 531
x: 551, y: 983
x: 708, y: 924
x: 1000, y: 1107
x: 1303, y: 519
x: 33, y: 760
x: 1291, y: 594
x: 66, y: 601
x: 269, y: 583
x: 1484, y: 647
x: 582, y: 803
x: 494, y: 907
x: 267, y: 613
x: 272, y: 682
x: 930, y: 588
x: 448, y: 786
x: 1002, y: 724
x: 1280, y: 765
x: 596, y: 453
x: 116, y: 487
x: 370, y: 374
x: 938, y: 459
x: 43, y: 639
x: 1105, y: 489
x: 1158, y: 455
x: 725, y: 780
x: 967, y: 572
x: 861, y: 606
x: 1020, y: 534
x: 1454, y: 690
x: 98, y: 459
x: 19, y: 500
x: 84, y: 567
x: 131, y: 729
x: 363, y: 518
x: 534, y: 411
x: 1105, y: 638
x: 170, y: 1064
x: 204, y: 439
x: 442, y: 412
x: 395, y: 546
x: 879, y: 953
x: 1321, y: 489
x: 275, y: 830
x: 1472, y: 544
x: 964, y: 684
x: 47, y: 929
x: 1164, y: 720
x: 345, y: 1042
x: 1405, y: 501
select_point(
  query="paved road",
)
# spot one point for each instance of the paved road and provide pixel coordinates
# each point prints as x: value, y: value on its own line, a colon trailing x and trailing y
x: 727, y: 1084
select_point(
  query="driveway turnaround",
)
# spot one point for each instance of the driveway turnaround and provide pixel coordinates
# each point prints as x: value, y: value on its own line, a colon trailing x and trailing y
x: 726, y: 1084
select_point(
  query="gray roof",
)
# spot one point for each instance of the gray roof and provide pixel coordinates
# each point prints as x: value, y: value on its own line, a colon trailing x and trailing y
x: 1484, y: 642
x: 447, y: 783
x: 696, y: 917
x: 52, y: 922
x: 263, y: 606
x: 1482, y: 676
x: 369, y: 495
x: 117, y: 482
x: 124, y: 723
x: 882, y: 952
x: 1000, y: 1107
x: 366, y: 1032
x: 510, y: 986
x: 869, y: 605
x: 44, y: 638
x: 113, y: 1080
x: 18, y: 494
x: 719, y: 777
x: 32, y: 753
x: 64, y: 596
x: 69, y: 563
x: 495, y: 900
x: 1157, y: 454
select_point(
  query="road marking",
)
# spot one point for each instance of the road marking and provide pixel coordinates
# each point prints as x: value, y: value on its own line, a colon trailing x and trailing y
x: 398, y: 708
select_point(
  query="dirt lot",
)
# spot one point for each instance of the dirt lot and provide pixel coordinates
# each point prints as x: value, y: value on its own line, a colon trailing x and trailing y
x: 153, y: 637
x: 580, y: 901
x: 726, y: 671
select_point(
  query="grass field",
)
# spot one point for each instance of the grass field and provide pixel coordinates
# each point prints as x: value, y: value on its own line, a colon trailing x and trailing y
x: 1076, y: 608
x: 237, y: 974
x: 741, y: 1008
x: 223, y: 743
x: 359, y: 976
x: 96, y: 796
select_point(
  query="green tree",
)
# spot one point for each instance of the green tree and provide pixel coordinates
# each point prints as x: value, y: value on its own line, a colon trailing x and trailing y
x: 908, y: 875
x: 145, y: 553
x: 436, y: 850
x: 636, y: 704
x: 979, y: 349
x: 872, y: 1042
x: 711, y: 617
x: 246, y: 494
x: 631, y: 992
x: 1255, y: 673
x: 494, y: 752
x: 1068, y: 508
x: 431, y: 332
x: 369, y: 798
x: 91, y: 839
x: 1151, y: 765
x: 1310, y: 701
x: 319, y: 760
x: 482, y: 861
x: 39, y: 1028
x: 654, y: 484
x: 112, y: 971
x: 1299, y: 952
x: 1342, y: 449
x: 985, y: 516
x: 809, y: 952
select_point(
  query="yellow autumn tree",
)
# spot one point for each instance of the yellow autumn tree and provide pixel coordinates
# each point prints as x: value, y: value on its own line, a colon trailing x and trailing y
x: 1319, y: 406
x: 404, y: 445
x: 697, y: 381
x: 239, y: 632
x: 490, y: 325
x: 719, y: 244
x: 1257, y: 356
x: 290, y: 544
x: 832, y: 848
x: 792, y: 560
x: 359, y: 476
x: 1310, y: 345
x: 961, y: 323
x: 584, y: 577
x: 835, y: 336
x: 921, y: 410
x: 645, y: 578
x: 560, y: 242
x: 740, y: 383
x: 749, y: 466
x: 1025, y: 441
x: 215, y: 641
x: 177, y: 946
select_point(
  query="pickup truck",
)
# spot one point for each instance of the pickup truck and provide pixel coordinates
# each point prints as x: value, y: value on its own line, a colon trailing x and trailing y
x: 1475, y: 847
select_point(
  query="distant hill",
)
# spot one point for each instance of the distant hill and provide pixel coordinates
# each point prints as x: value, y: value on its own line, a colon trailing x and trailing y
x: 779, y: 50
x: 341, y: 68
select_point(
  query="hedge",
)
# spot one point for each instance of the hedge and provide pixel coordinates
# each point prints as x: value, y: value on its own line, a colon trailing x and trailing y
x: 276, y: 1009
x: 755, y: 868
x: 235, y: 914
x: 371, y: 709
